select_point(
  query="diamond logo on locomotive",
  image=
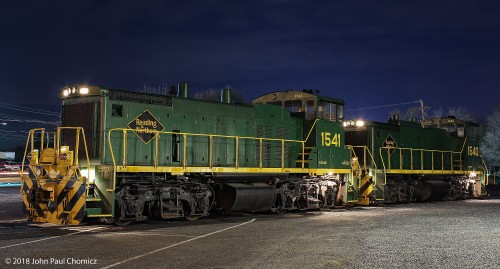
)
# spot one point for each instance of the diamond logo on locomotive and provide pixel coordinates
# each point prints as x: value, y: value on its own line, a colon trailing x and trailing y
x: 145, y: 125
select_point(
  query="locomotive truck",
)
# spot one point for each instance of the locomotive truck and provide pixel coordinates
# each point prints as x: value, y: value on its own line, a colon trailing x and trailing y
x: 125, y: 156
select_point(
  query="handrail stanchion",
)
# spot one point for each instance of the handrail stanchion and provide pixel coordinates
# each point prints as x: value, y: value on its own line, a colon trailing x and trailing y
x: 303, y: 154
x: 260, y: 153
x: 210, y: 152
x: 77, y: 147
x: 282, y: 153
x: 184, y: 150
x: 155, y: 162
x: 237, y: 153
x: 124, y: 160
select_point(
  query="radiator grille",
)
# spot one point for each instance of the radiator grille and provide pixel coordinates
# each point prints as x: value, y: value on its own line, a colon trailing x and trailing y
x: 80, y: 115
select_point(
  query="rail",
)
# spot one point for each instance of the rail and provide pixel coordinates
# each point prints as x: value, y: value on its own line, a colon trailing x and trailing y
x: 185, y: 137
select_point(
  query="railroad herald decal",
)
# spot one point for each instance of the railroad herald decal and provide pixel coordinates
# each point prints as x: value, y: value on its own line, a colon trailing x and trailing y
x: 390, y: 143
x: 145, y: 125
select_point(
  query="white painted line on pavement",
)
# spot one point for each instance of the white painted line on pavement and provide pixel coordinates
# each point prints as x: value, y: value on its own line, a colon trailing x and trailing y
x: 177, y: 244
x: 52, y: 237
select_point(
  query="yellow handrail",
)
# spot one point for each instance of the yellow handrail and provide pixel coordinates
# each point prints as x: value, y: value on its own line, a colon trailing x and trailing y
x: 310, y: 131
x: 422, y: 151
x: 210, y: 136
x: 485, y: 169
x: 365, y: 150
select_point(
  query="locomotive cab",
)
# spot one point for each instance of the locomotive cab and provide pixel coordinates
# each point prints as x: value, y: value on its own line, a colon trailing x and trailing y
x: 313, y: 106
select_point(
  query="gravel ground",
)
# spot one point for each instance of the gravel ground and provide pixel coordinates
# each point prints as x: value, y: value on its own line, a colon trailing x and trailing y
x: 455, y: 234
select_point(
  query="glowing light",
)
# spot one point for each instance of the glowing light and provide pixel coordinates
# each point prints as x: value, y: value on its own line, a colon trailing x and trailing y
x: 84, y: 90
x: 90, y: 174
x: 360, y: 123
x: 345, y: 123
x: 73, y: 90
x: 473, y: 174
x: 66, y: 92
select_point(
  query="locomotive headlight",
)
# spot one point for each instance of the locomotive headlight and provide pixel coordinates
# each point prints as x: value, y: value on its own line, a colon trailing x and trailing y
x: 90, y: 174
x: 66, y: 92
x: 351, y: 123
x: 473, y: 174
x: 73, y: 91
x: 360, y: 123
x: 345, y: 123
x: 83, y: 90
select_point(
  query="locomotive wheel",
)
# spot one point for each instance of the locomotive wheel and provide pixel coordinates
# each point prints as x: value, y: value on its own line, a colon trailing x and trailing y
x: 187, y: 212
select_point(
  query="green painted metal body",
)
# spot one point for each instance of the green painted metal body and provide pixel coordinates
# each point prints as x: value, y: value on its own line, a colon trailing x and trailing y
x: 184, y: 124
x: 407, y: 147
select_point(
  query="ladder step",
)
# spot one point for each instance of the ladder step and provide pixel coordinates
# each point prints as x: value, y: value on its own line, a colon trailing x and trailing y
x: 299, y: 161
x: 93, y: 199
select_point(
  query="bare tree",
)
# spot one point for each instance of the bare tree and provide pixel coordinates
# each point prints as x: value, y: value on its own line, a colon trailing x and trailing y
x: 490, y: 144
x: 461, y: 113
x: 438, y: 112
x: 412, y: 113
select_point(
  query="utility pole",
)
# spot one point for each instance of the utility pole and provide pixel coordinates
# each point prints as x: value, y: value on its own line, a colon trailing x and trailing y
x: 423, y: 111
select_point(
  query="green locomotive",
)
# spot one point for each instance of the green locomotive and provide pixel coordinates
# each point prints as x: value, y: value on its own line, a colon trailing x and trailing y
x: 435, y: 159
x: 126, y: 156
x: 163, y: 156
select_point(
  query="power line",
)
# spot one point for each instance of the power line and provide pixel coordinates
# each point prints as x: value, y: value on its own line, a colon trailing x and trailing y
x: 27, y: 109
x: 7, y: 117
x: 383, y: 106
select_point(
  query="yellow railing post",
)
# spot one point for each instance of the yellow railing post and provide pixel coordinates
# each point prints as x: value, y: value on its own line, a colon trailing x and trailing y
x: 210, y: 152
x: 442, y: 161
x: 155, y: 161
x: 77, y: 147
x: 451, y: 161
x: 184, y: 150
x: 364, y: 157
x: 389, y: 159
x: 421, y: 160
x: 303, y: 153
x: 411, y: 159
x: 124, y: 160
x: 237, y: 153
x: 400, y: 159
x: 260, y: 153
x: 282, y: 153
x: 432, y: 161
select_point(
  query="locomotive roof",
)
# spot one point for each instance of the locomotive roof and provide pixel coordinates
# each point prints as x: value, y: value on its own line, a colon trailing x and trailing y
x: 295, y: 95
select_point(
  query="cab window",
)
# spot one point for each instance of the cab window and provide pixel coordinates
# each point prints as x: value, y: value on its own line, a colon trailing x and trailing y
x: 340, y: 112
x: 294, y: 105
x: 460, y: 131
x: 310, y: 109
x: 327, y: 111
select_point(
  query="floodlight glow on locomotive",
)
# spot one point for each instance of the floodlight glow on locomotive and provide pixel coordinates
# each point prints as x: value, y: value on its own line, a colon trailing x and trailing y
x: 351, y: 123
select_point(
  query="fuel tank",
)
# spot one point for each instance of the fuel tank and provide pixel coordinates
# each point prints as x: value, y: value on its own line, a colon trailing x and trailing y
x: 254, y: 197
x: 432, y: 190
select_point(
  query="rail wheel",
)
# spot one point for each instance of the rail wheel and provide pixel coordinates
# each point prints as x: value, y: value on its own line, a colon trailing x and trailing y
x: 187, y: 212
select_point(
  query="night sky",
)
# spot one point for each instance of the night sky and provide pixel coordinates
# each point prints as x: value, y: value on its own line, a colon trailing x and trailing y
x: 368, y: 53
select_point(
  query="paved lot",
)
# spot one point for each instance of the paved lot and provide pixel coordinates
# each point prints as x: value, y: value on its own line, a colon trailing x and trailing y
x: 459, y: 234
